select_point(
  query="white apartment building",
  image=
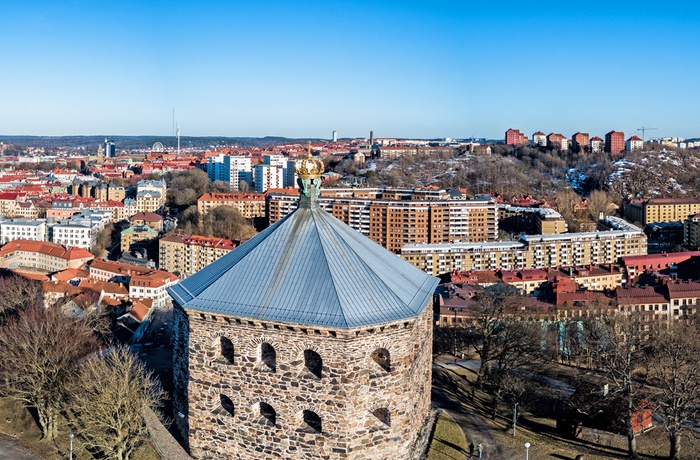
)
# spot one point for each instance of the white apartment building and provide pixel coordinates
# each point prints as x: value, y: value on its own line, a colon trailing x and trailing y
x: 267, y: 176
x: 22, y: 229
x: 73, y: 234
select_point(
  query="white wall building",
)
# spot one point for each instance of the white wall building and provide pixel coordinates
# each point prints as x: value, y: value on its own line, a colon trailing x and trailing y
x: 73, y: 234
x: 22, y: 229
x: 268, y: 176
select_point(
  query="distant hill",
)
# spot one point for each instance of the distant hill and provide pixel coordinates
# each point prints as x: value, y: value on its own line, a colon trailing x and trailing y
x: 140, y: 142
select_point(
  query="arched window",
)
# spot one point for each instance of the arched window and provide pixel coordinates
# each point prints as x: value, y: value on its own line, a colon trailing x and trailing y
x: 383, y: 415
x: 268, y: 414
x: 382, y: 357
x: 268, y: 356
x: 312, y: 422
x: 313, y: 363
x: 227, y: 350
x: 226, y: 404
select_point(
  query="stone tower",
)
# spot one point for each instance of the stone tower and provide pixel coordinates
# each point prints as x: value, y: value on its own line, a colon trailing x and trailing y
x: 308, y: 341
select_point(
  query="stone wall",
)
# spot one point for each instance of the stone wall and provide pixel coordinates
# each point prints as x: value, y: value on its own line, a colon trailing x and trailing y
x: 368, y: 408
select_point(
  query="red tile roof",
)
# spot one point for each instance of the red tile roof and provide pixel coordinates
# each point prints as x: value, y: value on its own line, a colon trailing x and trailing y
x: 44, y: 247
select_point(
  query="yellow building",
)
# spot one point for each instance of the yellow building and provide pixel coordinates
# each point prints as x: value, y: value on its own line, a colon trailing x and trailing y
x: 186, y: 255
x: 250, y: 205
x: 662, y: 210
x: 42, y: 256
x: 531, y: 251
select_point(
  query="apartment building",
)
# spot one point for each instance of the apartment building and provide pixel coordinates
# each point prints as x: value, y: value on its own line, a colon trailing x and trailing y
x: 22, y: 229
x: 114, y: 272
x: 74, y: 234
x: 153, y: 285
x: 137, y: 233
x: 42, y: 256
x: 267, y: 176
x: 393, y: 223
x: 539, y: 138
x: 557, y: 141
x: 662, y: 209
x: 515, y: 137
x: 231, y: 169
x: 660, y: 304
x: 580, y: 142
x: 634, y: 143
x: 531, y: 251
x: 597, y: 144
x: 8, y: 203
x: 615, y: 142
x: 537, y: 221
x: 148, y: 218
x: 186, y: 255
x: 250, y: 205
x: 691, y: 231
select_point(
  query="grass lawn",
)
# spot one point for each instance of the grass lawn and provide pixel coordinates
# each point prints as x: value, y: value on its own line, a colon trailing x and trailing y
x: 448, y: 441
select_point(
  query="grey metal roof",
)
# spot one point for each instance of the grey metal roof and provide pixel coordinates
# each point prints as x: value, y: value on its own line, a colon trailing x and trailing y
x: 312, y: 269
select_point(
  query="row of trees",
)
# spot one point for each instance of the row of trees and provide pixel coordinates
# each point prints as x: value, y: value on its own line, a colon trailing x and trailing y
x: 58, y: 367
x: 220, y: 222
x: 658, y: 365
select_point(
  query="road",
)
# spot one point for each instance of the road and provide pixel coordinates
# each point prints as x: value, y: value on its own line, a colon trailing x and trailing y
x: 10, y: 449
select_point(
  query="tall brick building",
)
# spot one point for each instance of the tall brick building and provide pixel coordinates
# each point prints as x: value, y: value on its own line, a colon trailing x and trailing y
x: 308, y: 341
x: 615, y: 142
x: 515, y: 137
x: 580, y: 141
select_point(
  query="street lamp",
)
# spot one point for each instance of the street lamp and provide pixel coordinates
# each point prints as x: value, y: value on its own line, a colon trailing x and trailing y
x: 527, y: 451
x: 71, y: 446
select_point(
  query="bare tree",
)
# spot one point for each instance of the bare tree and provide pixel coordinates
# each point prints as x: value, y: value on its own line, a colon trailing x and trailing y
x: 39, y: 352
x: 619, y: 351
x: 495, y: 334
x: 18, y: 293
x: 599, y: 202
x: 110, y: 396
x: 674, y: 373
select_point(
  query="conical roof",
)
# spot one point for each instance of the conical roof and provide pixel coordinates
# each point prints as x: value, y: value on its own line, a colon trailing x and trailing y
x: 311, y: 269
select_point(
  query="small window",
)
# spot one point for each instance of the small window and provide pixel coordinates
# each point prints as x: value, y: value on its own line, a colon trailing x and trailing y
x: 227, y: 350
x: 312, y: 422
x: 268, y: 356
x: 313, y: 363
x: 382, y: 357
x: 226, y: 404
x: 383, y: 415
x: 268, y: 414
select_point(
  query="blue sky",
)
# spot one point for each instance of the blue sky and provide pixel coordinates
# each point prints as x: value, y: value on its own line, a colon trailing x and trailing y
x: 302, y: 69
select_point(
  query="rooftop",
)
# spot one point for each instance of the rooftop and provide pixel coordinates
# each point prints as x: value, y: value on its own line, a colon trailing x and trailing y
x: 311, y: 269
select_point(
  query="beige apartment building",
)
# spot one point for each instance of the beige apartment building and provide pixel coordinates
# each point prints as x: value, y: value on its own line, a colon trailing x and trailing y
x: 662, y: 210
x: 531, y: 251
x: 408, y: 218
x: 42, y: 256
x: 250, y: 205
x: 186, y: 255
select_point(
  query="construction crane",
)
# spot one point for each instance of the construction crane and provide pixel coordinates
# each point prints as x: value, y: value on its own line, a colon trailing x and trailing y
x: 643, y: 129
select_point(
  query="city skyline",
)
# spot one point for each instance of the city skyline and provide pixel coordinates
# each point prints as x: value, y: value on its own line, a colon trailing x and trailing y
x: 402, y: 69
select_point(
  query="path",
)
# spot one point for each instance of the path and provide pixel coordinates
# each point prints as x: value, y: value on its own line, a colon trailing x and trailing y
x: 471, y: 424
x: 10, y: 449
